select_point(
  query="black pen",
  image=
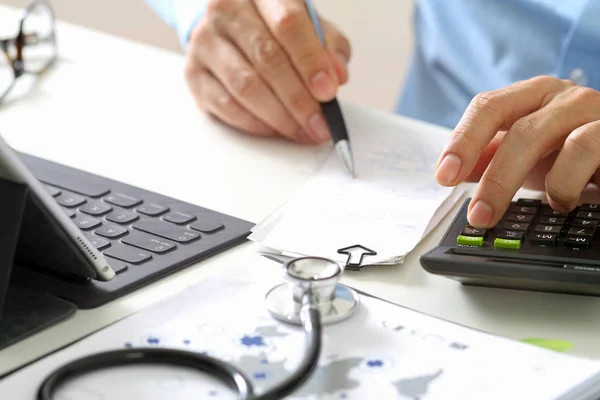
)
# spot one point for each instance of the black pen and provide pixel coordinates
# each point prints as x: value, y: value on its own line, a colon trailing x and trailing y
x: 331, y: 109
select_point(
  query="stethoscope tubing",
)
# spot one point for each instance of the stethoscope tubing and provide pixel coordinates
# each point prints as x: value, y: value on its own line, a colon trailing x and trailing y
x: 227, y: 373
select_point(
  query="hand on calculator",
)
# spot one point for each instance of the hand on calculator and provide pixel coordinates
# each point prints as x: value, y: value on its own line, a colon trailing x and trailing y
x: 541, y: 133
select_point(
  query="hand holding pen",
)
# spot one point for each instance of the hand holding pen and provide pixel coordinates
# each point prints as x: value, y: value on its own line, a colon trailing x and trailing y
x: 259, y: 67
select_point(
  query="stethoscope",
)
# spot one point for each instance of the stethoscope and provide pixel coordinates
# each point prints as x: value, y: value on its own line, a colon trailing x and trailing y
x: 311, y: 297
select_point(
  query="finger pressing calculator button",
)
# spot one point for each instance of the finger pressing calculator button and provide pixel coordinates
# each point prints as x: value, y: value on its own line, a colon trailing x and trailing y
x: 506, y: 234
x: 579, y: 231
x: 469, y: 240
x: 588, y: 215
x: 552, y: 221
x: 590, y: 207
x: 507, y: 244
x: 470, y: 231
x: 578, y: 241
x: 520, y: 217
x: 524, y: 209
x: 515, y: 226
x: 546, y: 239
x: 586, y: 223
x: 548, y: 228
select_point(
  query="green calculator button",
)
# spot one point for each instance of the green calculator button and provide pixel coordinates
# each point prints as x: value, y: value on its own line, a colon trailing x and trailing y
x: 507, y: 244
x: 470, y: 240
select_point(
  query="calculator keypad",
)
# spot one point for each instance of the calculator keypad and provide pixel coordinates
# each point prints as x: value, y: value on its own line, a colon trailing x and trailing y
x: 534, y: 224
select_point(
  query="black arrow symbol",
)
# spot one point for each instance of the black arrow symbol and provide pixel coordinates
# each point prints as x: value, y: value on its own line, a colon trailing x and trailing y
x: 355, y: 252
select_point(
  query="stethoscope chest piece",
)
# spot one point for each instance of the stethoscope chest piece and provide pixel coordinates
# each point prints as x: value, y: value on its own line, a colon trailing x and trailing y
x: 319, y: 276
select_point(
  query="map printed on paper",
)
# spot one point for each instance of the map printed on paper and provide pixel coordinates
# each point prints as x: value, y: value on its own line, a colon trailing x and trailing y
x: 382, y: 352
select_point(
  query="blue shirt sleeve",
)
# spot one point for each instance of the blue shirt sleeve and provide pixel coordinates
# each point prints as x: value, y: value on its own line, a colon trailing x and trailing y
x: 181, y: 15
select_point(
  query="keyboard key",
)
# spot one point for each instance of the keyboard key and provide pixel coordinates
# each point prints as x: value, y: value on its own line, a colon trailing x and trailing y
x: 505, y: 234
x: 581, y: 231
x: 167, y: 231
x: 179, y: 217
x: 117, y: 266
x: 546, y: 239
x: 515, y: 226
x: 588, y: 215
x: 520, y: 217
x: 110, y: 231
x: 149, y: 242
x: 578, y: 241
x: 70, y: 213
x: 122, y: 200
x: 469, y: 240
x: 529, y: 202
x: 590, y: 207
x: 507, y: 244
x: 98, y: 242
x: 95, y: 208
x: 127, y: 253
x: 70, y: 200
x: 552, y: 221
x: 584, y: 223
x: 151, y: 209
x: 548, y: 228
x: 524, y: 209
x: 79, y: 186
x: 52, y: 190
x: 122, y: 217
x: 86, y: 223
x: 213, y: 226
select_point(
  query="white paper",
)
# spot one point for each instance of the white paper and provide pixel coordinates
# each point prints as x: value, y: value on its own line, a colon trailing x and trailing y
x: 386, y: 208
x: 382, y: 352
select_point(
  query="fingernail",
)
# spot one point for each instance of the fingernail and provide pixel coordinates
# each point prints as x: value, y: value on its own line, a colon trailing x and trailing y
x: 342, y: 58
x: 323, y: 84
x: 319, y: 128
x: 481, y: 214
x: 448, y: 170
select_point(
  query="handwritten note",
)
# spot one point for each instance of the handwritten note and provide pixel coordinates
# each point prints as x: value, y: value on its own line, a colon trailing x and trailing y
x: 388, y: 207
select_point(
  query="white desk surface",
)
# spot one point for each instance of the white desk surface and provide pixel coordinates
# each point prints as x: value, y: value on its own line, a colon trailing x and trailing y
x: 122, y: 110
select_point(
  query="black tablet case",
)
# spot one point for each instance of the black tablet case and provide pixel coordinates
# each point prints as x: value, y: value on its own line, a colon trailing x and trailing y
x: 23, y: 311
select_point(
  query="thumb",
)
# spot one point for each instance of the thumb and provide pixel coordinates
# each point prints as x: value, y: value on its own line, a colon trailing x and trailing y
x: 339, y: 49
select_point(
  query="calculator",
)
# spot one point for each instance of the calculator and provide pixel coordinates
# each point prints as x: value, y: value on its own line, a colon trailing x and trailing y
x: 533, y: 247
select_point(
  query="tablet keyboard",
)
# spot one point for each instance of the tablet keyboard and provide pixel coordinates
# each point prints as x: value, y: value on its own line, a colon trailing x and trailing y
x: 144, y: 235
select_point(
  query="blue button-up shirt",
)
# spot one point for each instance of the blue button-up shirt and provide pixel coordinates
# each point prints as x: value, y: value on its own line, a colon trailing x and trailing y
x: 464, y: 47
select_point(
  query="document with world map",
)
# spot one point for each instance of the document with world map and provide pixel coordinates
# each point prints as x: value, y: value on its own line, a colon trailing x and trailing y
x: 382, y: 352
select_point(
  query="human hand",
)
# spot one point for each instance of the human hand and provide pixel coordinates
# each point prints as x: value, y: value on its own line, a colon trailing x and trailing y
x: 259, y: 66
x: 545, y: 128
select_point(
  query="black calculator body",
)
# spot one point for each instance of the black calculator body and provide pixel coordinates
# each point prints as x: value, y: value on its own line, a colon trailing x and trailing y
x: 532, y: 248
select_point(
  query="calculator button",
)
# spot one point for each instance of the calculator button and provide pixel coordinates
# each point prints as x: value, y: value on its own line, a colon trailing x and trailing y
x: 520, y: 218
x: 548, y: 228
x: 552, y: 221
x: 548, y: 211
x: 469, y: 240
x: 505, y: 234
x: 529, y: 202
x: 586, y: 223
x: 588, y: 215
x: 524, y: 209
x: 590, y: 207
x: 507, y: 244
x: 544, y: 238
x: 579, y: 231
x: 578, y: 241
x: 469, y: 231
x: 515, y: 226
